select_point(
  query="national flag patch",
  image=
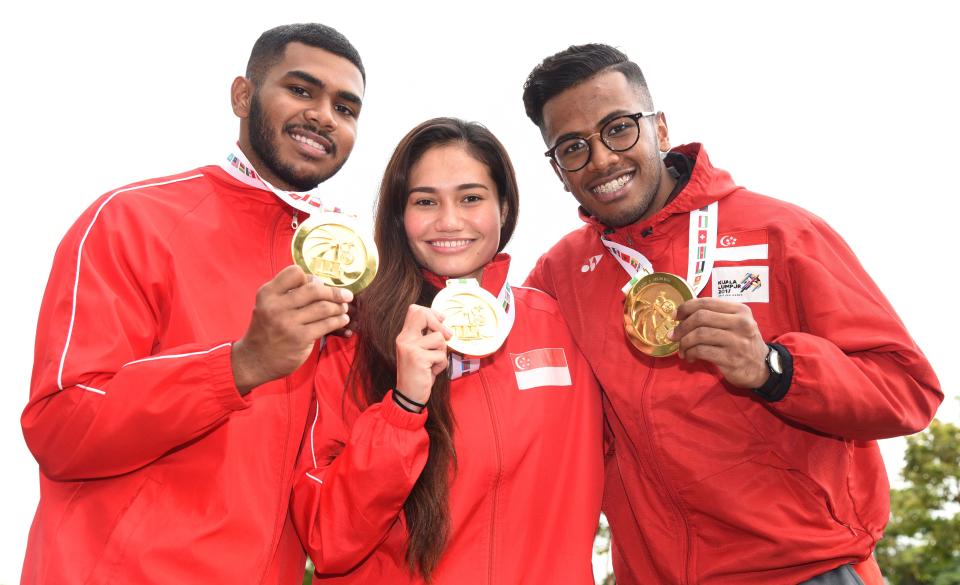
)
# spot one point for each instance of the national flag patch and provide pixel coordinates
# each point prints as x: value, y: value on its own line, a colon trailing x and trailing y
x: 745, y: 245
x: 541, y: 367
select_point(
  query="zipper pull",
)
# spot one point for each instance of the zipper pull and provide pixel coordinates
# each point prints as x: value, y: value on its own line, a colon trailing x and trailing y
x: 294, y: 223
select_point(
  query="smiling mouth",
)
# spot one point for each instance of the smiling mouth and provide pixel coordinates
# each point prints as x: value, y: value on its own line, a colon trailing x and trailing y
x: 613, y: 185
x: 310, y: 142
x: 449, y: 244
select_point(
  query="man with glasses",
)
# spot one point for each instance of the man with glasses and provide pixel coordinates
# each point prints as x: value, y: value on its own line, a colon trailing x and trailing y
x: 743, y: 423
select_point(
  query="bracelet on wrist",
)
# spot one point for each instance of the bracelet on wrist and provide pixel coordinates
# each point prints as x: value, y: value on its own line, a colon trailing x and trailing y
x: 407, y: 398
x: 405, y: 403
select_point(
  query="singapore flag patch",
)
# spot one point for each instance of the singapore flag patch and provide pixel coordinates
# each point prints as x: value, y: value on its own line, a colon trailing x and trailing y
x: 739, y: 246
x: 541, y: 367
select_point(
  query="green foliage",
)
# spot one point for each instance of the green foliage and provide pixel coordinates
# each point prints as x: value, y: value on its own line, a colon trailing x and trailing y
x: 308, y: 573
x: 921, y: 545
x: 601, y: 548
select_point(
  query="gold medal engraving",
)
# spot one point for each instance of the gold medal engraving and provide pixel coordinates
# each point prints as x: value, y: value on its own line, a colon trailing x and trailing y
x: 650, y: 312
x: 330, y: 247
x: 475, y: 317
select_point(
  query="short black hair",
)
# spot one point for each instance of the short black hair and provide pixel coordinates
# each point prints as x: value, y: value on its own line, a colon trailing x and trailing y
x: 269, y: 48
x: 572, y: 66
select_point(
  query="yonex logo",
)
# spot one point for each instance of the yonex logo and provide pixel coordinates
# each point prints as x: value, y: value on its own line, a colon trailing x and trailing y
x: 591, y: 263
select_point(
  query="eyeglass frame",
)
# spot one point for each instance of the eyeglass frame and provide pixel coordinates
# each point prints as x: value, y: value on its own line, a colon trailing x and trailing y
x: 551, y: 154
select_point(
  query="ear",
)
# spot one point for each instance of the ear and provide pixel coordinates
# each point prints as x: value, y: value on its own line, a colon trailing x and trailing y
x: 559, y: 173
x: 241, y: 92
x: 504, y: 210
x: 663, y: 135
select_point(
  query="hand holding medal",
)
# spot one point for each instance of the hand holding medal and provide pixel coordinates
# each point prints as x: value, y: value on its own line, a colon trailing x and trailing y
x: 421, y: 355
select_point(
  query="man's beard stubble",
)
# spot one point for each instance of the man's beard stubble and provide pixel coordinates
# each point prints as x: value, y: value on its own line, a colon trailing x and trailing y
x: 263, y: 143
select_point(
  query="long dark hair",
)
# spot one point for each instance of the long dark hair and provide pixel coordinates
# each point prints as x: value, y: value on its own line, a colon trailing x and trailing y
x: 382, y: 309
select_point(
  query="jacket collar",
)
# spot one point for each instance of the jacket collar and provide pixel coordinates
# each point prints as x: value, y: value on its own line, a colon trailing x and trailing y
x: 706, y: 185
x: 492, y: 279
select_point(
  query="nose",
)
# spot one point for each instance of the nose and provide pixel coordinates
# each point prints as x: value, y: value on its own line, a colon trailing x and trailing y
x: 601, y: 157
x: 448, y: 218
x: 321, y: 114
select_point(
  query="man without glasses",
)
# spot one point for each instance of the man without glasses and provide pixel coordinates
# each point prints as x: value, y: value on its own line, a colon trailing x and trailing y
x: 165, y: 418
x: 750, y: 456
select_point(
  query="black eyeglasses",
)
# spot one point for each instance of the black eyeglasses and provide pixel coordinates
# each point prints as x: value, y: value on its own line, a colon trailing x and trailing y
x: 619, y: 134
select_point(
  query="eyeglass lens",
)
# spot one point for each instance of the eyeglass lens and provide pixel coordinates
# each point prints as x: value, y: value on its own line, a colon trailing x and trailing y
x: 618, y: 135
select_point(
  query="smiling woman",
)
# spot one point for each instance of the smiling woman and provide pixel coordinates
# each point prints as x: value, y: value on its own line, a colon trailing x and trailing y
x: 453, y: 216
x: 462, y: 457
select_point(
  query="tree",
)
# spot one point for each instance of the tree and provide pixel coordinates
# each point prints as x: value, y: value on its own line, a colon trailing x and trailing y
x: 921, y: 545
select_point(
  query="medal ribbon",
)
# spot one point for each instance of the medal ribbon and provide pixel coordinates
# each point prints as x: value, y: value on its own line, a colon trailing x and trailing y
x: 632, y: 261
x: 460, y: 365
x: 702, y: 244
x: 239, y: 167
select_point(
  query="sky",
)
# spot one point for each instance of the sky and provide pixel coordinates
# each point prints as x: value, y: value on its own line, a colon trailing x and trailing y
x: 846, y: 109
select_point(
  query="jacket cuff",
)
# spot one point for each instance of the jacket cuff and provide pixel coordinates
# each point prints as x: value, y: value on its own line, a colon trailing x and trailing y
x: 224, y: 386
x: 776, y: 388
x: 400, y: 418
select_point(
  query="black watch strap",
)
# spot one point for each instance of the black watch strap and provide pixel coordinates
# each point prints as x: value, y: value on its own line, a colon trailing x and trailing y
x: 776, y: 386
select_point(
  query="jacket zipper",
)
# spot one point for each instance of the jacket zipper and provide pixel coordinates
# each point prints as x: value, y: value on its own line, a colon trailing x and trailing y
x: 499, y: 475
x: 655, y: 464
x: 284, y: 493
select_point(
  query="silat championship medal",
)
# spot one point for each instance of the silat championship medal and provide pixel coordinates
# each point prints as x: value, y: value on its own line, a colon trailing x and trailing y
x: 650, y: 312
x: 330, y: 246
x: 652, y: 298
x: 478, y: 320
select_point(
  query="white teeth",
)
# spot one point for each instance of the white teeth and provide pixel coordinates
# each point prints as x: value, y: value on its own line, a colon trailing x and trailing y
x: 613, y: 185
x: 449, y: 243
x: 309, y: 142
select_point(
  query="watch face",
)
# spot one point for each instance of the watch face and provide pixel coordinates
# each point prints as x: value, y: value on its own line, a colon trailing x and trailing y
x: 775, y: 361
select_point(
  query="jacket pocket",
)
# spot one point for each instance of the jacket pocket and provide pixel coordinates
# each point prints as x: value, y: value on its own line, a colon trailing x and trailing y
x: 760, y: 515
x: 115, y: 548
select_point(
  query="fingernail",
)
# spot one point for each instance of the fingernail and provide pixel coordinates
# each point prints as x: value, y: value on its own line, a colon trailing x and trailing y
x: 346, y: 295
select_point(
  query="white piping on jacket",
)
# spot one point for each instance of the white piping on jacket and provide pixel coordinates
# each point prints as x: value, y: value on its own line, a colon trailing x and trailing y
x: 76, y: 281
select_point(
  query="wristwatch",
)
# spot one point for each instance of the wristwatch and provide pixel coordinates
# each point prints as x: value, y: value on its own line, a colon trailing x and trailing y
x: 780, y: 367
x: 773, y: 361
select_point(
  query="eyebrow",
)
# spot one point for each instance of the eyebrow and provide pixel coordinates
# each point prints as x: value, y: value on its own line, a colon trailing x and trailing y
x: 307, y: 78
x: 600, y: 124
x: 462, y: 187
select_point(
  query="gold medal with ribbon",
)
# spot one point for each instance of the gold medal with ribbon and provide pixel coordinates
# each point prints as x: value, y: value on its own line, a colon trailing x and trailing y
x: 479, y: 321
x: 652, y: 298
x: 331, y: 247
x: 650, y: 312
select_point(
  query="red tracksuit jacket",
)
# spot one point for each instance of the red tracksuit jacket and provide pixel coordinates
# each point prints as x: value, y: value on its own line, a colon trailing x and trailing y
x: 711, y: 484
x: 525, y: 497
x: 153, y: 469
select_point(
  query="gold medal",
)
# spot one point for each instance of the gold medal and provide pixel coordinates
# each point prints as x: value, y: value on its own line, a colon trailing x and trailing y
x: 475, y: 316
x: 650, y: 312
x: 329, y: 246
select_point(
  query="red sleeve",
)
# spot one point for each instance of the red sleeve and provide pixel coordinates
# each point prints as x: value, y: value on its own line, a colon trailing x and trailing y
x: 540, y: 278
x: 857, y: 372
x: 352, y: 480
x: 103, y: 400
